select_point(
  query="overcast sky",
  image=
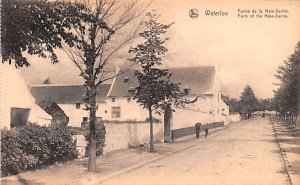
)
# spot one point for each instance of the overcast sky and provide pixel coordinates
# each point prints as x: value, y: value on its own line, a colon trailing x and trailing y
x: 247, y: 51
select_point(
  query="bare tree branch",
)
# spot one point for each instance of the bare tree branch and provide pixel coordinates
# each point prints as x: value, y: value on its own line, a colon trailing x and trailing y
x: 103, y: 62
x: 73, y: 59
x: 117, y: 74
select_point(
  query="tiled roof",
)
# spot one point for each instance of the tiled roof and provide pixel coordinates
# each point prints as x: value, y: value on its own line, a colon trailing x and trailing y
x: 66, y: 94
x: 200, y: 80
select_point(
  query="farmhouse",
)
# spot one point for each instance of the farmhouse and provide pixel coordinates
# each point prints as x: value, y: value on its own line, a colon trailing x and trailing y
x: 70, y: 99
x: 115, y: 101
x: 200, y: 82
x: 17, y: 104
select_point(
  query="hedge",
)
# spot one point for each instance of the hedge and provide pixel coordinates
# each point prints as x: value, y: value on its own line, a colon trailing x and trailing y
x: 33, y: 146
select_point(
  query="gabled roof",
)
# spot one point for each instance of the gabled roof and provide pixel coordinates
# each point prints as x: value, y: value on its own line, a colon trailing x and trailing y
x: 66, y: 94
x: 120, y: 88
x: 200, y: 80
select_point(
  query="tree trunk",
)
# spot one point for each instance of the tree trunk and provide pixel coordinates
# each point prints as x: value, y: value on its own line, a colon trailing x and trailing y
x: 92, y: 141
x: 297, y: 122
x: 167, y: 123
x: 151, y: 131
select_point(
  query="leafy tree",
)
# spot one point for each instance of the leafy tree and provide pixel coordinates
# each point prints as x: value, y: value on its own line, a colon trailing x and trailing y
x: 233, y: 103
x: 30, y: 26
x: 264, y: 104
x: 90, y: 33
x: 155, y: 91
x: 286, y: 95
x: 248, y: 102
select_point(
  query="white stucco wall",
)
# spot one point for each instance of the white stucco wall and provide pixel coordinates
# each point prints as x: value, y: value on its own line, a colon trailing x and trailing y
x: 122, y: 135
x: 130, y: 134
x: 130, y: 111
x: 15, y: 94
x: 76, y: 115
x: 192, y: 113
x: 234, y: 118
x: 207, y: 109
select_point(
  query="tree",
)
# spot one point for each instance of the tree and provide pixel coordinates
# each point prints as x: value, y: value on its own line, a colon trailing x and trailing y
x: 286, y: 95
x: 155, y: 91
x: 264, y: 104
x: 96, y: 32
x: 232, y: 103
x: 248, y: 102
x: 298, y: 100
x: 90, y: 33
x: 30, y: 26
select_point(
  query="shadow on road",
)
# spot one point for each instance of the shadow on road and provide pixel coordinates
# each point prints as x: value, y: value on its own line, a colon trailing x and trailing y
x: 20, y: 181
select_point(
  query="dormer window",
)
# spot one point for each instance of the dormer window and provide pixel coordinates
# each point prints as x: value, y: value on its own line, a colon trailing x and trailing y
x: 186, y: 90
x: 126, y: 79
x: 131, y: 90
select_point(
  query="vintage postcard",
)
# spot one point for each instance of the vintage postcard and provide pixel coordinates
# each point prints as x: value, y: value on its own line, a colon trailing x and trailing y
x: 150, y: 92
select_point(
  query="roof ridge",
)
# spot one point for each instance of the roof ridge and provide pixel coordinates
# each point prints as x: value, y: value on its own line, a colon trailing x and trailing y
x: 59, y: 85
x: 191, y: 67
x: 184, y: 67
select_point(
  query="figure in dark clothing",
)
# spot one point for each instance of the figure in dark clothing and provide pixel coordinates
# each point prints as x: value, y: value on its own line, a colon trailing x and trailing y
x: 197, y: 126
x: 206, y: 132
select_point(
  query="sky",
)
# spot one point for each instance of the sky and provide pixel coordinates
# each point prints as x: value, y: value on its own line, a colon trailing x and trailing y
x: 246, y: 50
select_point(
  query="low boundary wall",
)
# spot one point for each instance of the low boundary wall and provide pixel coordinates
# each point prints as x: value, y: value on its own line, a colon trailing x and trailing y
x: 122, y: 135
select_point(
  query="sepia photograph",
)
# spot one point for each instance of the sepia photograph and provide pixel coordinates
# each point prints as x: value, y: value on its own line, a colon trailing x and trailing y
x: 150, y: 92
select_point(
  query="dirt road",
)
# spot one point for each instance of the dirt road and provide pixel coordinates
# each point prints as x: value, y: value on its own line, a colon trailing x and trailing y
x: 244, y: 154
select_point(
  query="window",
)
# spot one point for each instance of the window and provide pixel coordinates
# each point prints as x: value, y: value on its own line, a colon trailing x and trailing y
x: 128, y: 99
x: 113, y: 99
x: 77, y: 105
x: 131, y: 90
x: 186, y: 91
x: 126, y: 79
x: 84, y: 122
x: 115, y: 112
x: 84, y: 119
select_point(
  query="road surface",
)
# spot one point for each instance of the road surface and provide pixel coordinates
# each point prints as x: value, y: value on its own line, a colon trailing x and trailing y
x: 246, y: 153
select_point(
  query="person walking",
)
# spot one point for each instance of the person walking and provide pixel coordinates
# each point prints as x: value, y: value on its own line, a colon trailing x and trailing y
x: 197, y: 126
x: 206, y: 132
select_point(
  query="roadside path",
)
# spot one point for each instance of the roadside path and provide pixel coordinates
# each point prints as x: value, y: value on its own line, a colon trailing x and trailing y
x: 289, y: 141
x: 242, y: 153
x: 246, y: 153
x: 112, y: 164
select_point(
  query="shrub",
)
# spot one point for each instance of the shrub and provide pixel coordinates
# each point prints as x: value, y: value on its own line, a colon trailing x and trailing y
x: 100, y: 143
x: 33, y: 146
x: 13, y: 158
